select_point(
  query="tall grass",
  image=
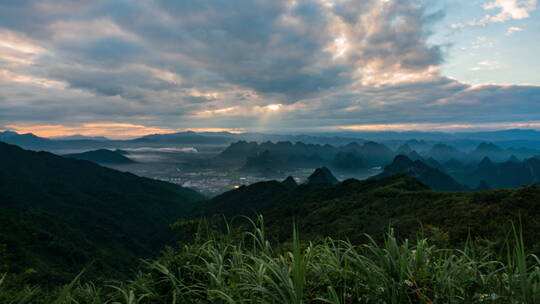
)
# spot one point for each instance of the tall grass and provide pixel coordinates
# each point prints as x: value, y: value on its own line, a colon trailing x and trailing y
x: 244, y: 267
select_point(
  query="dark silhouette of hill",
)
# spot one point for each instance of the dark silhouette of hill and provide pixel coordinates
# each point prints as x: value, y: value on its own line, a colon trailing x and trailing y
x: 188, y: 137
x: 413, y: 155
x: 261, y: 196
x: 490, y: 150
x: 28, y: 139
x: 352, y: 208
x: 348, y: 162
x: 375, y: 154
x: 322, y: 177
x: 509, y: 174
x: 350, y: 157
x: 246, y: 200
x: 433, y: 163
x: 263, y: 161
x: 453, y: 165
x: 432, y: 177
x: 513, y: 159
x: 103, y: 156
x: 404, y: 149
x: 483, y: 186
x: 290, y: 182
x: 240, y: 150
x: 443, y: 153
x: 81, y: 137
x: 99, y: 214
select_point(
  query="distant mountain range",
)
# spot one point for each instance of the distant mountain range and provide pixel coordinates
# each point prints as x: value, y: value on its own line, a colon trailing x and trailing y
x: 454, y: 175
x: 442, y: 166
x: 81, y: 137
x: 286, y: 155
x: 271, y: 159
x: 511, y: 135
x: 103, y: 156
x: 520, y: 140
x: 508, y: 174
x: 80, y: 142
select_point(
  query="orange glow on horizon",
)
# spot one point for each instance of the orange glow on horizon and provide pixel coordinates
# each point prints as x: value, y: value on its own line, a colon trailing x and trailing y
x: 108, y: 129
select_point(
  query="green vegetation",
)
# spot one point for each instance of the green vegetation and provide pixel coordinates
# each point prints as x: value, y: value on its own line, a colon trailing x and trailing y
x: 66, y: 220
x: 432, y: 177
x: 244, y: 266
x: 352, y: 208
x: 59, y: 215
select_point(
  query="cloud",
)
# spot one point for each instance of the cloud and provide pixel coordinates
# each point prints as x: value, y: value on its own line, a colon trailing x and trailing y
x: 482, y: 42
x: 512, y: 30
x: 508, y: 10
x: 246, y: 64
x: 487, y: 66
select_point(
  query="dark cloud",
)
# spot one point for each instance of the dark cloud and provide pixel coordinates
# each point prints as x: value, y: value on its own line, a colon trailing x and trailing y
x: 179, y: 63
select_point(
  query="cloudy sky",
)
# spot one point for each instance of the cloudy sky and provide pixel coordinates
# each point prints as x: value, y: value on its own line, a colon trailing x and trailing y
x: 125, y: 68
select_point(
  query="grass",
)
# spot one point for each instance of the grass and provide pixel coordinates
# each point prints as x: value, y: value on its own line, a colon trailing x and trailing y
x: 244, y: 267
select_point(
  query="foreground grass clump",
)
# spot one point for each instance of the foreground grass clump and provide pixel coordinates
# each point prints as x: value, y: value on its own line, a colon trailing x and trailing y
x: 244, y: 267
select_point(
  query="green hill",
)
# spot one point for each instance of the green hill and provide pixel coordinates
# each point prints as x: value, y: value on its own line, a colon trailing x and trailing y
x: 60, y: 214
x: 352, y: 208
x: 427, y: 174
x: 322, y: 177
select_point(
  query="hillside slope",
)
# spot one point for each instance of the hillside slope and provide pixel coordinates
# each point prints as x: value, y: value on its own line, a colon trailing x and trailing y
x: 353, y: 208
x: 112, y: 218
x: 427, y: 174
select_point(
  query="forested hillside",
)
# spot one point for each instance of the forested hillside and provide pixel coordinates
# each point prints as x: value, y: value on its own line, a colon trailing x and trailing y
x: 61, y: 214
x: 353, y: 208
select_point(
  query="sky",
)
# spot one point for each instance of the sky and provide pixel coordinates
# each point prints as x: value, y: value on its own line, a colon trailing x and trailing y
x: 123, y: 68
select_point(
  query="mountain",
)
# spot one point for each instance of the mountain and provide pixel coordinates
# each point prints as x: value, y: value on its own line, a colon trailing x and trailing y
x: 246, y: 200
x: 240, y: 150
x: 263, y: 161
x: 352, y: 208
x: 432, y: 177
x: 483, y: 186
x: 414, y: 156
x: 350, y: 157
x: 490, y: 150
x: 322, y: 177
x: 188, y: 137
x: 81, y: 137
x: 103, y: 156
x: 453, y: 165
x: 433, y: 163
x: 509, y: 174
x: 33, y: 142
x: 29, y: 139
x: 443, y: 152
x: 491, y: 136
x: 290, y: 182
x: 375, y: 154
x: 65, y: 213
x: 404, y: 149
x: 513, y: 159
x: 348, y: 162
